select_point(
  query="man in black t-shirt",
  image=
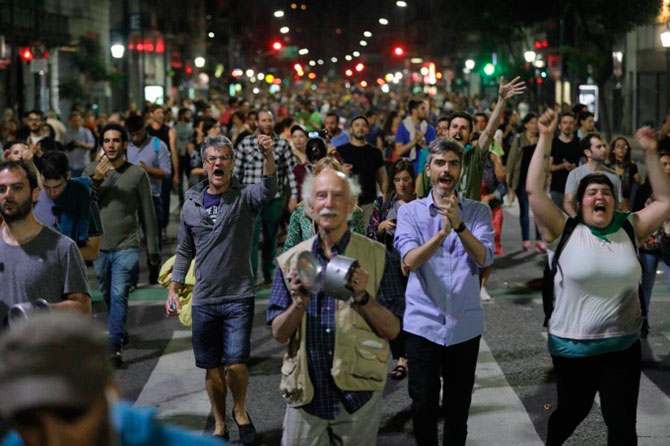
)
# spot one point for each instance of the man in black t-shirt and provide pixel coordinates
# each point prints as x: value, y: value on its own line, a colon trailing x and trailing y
x: 565, y: 153
x: 366, y: 162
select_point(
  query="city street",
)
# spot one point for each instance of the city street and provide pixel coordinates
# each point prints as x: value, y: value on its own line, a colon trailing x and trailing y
x: 250, y: 127
x: 514, y: 391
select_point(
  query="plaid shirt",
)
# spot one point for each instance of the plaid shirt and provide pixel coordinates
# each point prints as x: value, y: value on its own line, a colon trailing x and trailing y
x: 249, y: 163
x: 321, y: 334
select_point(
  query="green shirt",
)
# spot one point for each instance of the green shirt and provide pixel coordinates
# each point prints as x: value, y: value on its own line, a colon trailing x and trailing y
x: 125, y: 202
x: 301, y: 227
x: 472, y: 170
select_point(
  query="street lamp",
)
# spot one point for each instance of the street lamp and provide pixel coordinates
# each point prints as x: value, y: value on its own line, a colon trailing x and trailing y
x: 199, y: 62
x: 469, y: 64
x: 665, y: 41
x: 117, y: 50
x: 529, y: 56
x: 279, y: 13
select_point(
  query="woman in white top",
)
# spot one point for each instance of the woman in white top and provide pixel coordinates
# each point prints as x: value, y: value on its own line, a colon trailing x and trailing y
x: 595, y: 325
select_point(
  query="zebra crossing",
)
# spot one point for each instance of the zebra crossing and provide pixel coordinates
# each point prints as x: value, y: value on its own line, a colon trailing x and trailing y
x: 497, y: 417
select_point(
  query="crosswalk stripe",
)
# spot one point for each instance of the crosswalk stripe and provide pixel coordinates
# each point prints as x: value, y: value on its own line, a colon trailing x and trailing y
x: 653, y: 406
x: 176, y: 387
x: 496, y: 406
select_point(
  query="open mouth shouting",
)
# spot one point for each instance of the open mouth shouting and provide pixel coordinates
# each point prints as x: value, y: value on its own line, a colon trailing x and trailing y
x: 447, y: 181
x: 218, y: 174
x: 600, y: 209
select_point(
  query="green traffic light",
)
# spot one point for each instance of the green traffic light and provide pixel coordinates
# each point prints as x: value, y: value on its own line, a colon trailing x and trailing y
x: 489, y: 69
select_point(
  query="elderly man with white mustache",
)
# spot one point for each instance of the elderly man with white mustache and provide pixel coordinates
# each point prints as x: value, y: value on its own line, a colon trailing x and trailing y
x: 336, y: 364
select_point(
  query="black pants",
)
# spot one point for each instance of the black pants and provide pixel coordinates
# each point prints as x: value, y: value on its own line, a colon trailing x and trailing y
x: 456, y: 364
x: 615, y: 376
x: 398, y: 346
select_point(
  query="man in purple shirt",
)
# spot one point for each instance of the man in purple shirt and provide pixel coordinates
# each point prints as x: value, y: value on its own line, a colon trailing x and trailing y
x: 443, y: 240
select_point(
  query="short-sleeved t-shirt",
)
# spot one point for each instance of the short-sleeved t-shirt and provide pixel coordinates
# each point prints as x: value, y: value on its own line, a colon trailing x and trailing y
x: 366, y: 160
x: 563, y: 151
x: 211, y: 203
x: 49, y: 267
x: 577, y: 174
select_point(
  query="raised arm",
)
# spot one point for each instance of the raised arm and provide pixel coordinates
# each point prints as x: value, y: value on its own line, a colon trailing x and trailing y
x: 650, y: 218
x: 505, y: 92
x: 549, y: 219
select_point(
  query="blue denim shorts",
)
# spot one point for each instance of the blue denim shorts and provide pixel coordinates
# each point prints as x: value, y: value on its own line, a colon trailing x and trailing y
x: 222, y: 332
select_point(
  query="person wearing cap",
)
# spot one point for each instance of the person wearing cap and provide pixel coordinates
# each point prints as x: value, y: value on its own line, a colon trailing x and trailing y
x: 366, y: 162
x: 57, y: 388
x: 36, y: 262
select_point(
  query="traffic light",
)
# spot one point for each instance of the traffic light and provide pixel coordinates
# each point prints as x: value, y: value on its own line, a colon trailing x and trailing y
x: 277, y: 45
x: 299, y: 70
x: 359, y: 67
x: 398, y: 51
x: 348, y: 72
x: 25, y: 54
x: 489, y: 69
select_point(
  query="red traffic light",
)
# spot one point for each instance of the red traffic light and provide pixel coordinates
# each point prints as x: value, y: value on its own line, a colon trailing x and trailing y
x: 348, y: 72
x: 277, y: 45
x: 359, y: 67
x: 25, y: 54
x: 398, y: 51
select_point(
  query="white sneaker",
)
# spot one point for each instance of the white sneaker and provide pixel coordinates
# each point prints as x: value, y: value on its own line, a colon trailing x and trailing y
x: 484, y: 295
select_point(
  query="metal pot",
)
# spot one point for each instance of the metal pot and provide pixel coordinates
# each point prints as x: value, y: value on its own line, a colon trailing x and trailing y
x: 23, y: 310
x: 333, y: 281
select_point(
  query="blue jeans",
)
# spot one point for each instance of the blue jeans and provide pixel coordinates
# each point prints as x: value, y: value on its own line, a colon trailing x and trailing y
x: 650, y: 263
x: 524, y: 220
x: 222, y: 332
x: 115, y: 271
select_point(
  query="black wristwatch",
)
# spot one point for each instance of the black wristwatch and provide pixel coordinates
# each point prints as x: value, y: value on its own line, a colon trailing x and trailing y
x: 364, y: 300
x: 460, y: 228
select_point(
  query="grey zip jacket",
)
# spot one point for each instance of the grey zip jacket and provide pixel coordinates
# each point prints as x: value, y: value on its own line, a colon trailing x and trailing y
x: 221, y: 249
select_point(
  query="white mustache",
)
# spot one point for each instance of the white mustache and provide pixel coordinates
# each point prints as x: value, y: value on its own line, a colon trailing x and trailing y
x: 325, y: 212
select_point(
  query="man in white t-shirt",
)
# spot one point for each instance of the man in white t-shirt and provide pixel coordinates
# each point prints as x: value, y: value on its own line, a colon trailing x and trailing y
x: 595, y: 150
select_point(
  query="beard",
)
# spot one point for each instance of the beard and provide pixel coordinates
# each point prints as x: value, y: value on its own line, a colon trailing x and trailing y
x: 21, y: 211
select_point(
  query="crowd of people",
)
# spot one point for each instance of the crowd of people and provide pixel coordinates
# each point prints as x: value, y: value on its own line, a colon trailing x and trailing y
x: 412, y: 187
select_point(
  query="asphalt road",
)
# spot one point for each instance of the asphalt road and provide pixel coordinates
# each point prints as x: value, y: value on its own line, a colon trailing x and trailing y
x: 514, y: 393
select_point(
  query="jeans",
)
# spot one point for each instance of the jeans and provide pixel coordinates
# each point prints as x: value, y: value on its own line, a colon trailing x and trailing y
x: 456, y: 364
x: 615, y: 376
x: 115, y: 271
x: 222, y: 332
x: 650, y: 261
x: 158, y: 209
x: 268, y: 220
x: 522, y: 195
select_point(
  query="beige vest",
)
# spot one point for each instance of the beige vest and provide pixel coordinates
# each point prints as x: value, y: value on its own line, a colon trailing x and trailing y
x: 360, y: 358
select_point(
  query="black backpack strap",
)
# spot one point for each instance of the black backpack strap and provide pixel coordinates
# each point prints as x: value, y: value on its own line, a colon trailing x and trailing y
x: 550, y: 270
x: 628, y: 227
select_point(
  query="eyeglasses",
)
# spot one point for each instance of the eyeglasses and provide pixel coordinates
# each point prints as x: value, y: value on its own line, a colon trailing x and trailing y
x: 212, y: 159
x: 620, y: 146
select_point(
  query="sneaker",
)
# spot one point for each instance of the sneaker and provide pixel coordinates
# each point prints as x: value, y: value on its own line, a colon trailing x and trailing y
x: 484, y: 295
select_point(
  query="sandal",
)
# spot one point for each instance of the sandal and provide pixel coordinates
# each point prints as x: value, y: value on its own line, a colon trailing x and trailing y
x: 399, y: 373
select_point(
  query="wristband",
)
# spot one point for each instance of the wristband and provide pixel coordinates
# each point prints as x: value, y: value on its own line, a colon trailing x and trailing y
x: 460, y: 228
x: 364, y: 300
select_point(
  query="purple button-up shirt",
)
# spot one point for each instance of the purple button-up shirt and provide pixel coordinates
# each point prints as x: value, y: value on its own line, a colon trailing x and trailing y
x: 442, y: 296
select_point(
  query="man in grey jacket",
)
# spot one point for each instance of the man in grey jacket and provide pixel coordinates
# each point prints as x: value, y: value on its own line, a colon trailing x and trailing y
x: 215, y: 230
